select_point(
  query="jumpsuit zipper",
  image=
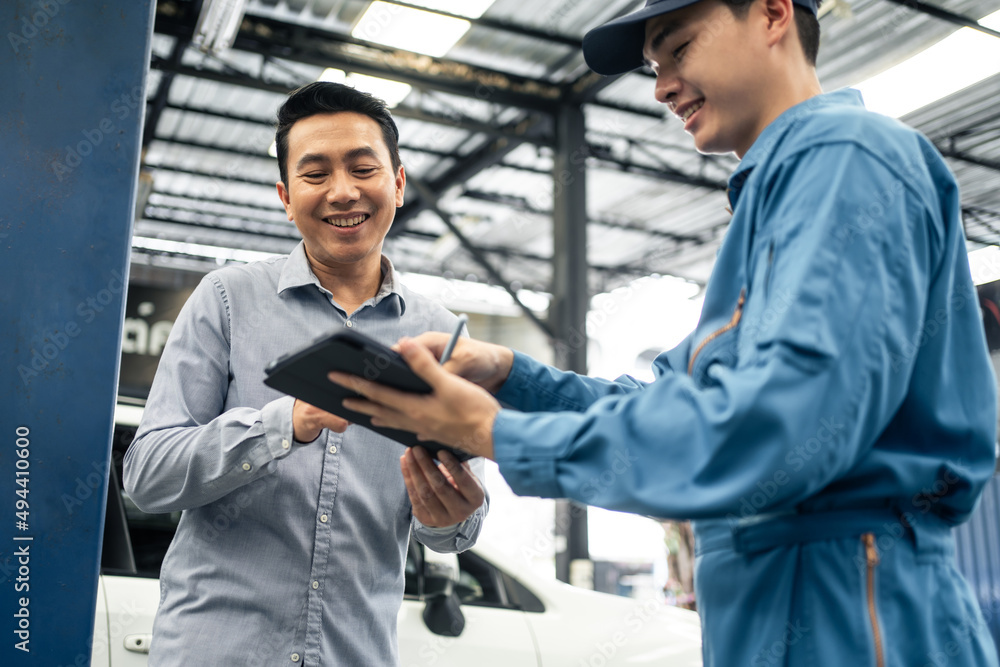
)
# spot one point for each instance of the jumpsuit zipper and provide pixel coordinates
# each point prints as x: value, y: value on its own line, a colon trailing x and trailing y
x: 737, y: 314
x: 871, y: 554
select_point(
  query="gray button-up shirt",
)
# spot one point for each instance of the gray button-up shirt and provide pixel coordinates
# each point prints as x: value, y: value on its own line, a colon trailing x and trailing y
x: 286, y: 553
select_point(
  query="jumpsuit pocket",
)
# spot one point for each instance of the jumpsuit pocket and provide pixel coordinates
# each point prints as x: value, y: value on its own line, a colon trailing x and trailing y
x: 716, y: 342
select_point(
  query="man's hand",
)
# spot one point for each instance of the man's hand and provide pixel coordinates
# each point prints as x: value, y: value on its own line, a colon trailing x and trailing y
x: 441, y: 495
x: 485, y: 364
x: 308, y: 421
x: 456, y: 413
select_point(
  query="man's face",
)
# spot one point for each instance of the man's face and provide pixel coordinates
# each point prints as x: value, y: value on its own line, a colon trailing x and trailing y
x: 342, y: 192
x: 706, y: 60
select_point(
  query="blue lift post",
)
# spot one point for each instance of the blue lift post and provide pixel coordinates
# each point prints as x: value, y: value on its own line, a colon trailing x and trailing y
x: 73, y: 76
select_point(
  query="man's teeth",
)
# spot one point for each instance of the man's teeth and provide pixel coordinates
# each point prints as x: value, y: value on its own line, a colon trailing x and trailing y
x: 347, y: 222
x: 691, y: 109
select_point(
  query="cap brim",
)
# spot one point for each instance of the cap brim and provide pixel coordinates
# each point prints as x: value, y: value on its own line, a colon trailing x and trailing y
x: 616, y: 46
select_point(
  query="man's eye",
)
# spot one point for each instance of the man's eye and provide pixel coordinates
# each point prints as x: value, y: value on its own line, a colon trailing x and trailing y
x: 314, y: 175
x: 365, y: 171
x: 678, y: 53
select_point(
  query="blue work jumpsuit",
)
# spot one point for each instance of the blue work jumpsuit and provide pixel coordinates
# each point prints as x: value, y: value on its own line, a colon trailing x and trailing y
x: 829, y: 421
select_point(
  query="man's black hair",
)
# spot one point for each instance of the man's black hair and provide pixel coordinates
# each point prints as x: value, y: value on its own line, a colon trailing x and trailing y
x: 328, y: 97
x: 805, y: 21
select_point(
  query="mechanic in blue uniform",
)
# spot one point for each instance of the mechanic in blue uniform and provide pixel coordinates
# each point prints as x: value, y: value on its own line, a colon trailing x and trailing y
x: 833, y: 415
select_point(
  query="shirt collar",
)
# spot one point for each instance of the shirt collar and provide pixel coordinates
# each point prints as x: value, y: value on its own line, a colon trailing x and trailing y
x: 771, y: 137
x: 298, y: 273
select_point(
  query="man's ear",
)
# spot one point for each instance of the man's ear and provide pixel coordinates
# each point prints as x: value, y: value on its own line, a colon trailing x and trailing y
x: 400, y: 186
x: 285, y: 200
x: 779, y: 17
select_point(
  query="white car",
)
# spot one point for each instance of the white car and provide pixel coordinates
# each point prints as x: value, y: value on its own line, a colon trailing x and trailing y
x: 507, y: 616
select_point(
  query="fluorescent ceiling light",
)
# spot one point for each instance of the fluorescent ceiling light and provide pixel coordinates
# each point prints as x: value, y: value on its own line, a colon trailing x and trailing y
x: 218, y: 24
x: 221, y: 255
x: 417, y: 30
x: 333, y: 75
x: 466, y: 296
x: 471, y: 8
x: 985, y: 265
x: 390, y: 92
x: 960, y: 60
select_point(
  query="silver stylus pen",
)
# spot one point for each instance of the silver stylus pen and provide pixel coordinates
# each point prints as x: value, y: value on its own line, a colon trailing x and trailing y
x: 450, y: 347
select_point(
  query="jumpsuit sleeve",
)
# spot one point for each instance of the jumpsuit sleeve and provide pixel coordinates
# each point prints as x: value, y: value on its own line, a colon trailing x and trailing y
x: 801, y: 388
x: 189, y: 450
x: 535, y: 387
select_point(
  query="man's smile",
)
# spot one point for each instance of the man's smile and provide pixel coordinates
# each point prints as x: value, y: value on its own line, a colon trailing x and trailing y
x: 347, y: 221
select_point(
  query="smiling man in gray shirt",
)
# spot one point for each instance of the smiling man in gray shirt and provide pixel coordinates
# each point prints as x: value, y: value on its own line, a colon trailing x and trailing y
x: 294, y: 526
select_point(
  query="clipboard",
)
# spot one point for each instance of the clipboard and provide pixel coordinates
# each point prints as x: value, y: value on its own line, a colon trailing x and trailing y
x: 303, y: 374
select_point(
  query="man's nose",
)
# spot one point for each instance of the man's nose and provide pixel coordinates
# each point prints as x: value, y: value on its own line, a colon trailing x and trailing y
x: 342, y: 188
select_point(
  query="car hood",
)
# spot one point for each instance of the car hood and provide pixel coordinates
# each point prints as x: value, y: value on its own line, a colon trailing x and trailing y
x: 582, y: 627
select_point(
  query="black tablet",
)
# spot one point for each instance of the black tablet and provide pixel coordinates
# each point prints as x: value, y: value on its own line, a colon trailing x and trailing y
x: 303, y: 374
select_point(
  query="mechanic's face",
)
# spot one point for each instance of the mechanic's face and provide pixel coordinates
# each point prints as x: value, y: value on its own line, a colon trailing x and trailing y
x: 342, y: 192
x: 706, y: 62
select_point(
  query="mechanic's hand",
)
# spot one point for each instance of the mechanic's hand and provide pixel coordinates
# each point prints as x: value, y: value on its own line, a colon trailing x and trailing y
x: 441, y: 494
x: 308, y: 421
x: 456, y: 413
x: 485, y: 364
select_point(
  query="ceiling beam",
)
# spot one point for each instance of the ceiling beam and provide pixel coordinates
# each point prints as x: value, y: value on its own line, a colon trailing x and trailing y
x: 971, y: 159
x: 155, y: 107
x: 945, y: 15
x: 272, y: 38
x: 522, y: 204
x: 430, y: 199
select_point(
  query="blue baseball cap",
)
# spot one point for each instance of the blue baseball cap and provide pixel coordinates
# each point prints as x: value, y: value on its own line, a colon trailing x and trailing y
x: 616, y: 46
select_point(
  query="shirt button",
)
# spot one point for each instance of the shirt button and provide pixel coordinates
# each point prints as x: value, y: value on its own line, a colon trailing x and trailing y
x: 246, y: 466
x: 315, y: 585
x: 333, y: 449
x: 324, y: 518
x: 285, y: 444
x: 295, y: 657
x: 349, y: 324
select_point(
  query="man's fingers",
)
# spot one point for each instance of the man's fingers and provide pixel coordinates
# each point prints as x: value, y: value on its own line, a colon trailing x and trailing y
x: 427, y: 506
x: 459, y: 474
x: 422, y: 361
x: 435, y: 341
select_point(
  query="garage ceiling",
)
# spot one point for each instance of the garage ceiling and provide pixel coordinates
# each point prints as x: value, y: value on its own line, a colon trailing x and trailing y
x: 477, y: 137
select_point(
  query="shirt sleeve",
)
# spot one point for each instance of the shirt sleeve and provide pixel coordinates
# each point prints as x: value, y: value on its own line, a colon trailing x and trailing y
x: 811, y: 376
x: 461, y: 536
x: 190, y: 451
